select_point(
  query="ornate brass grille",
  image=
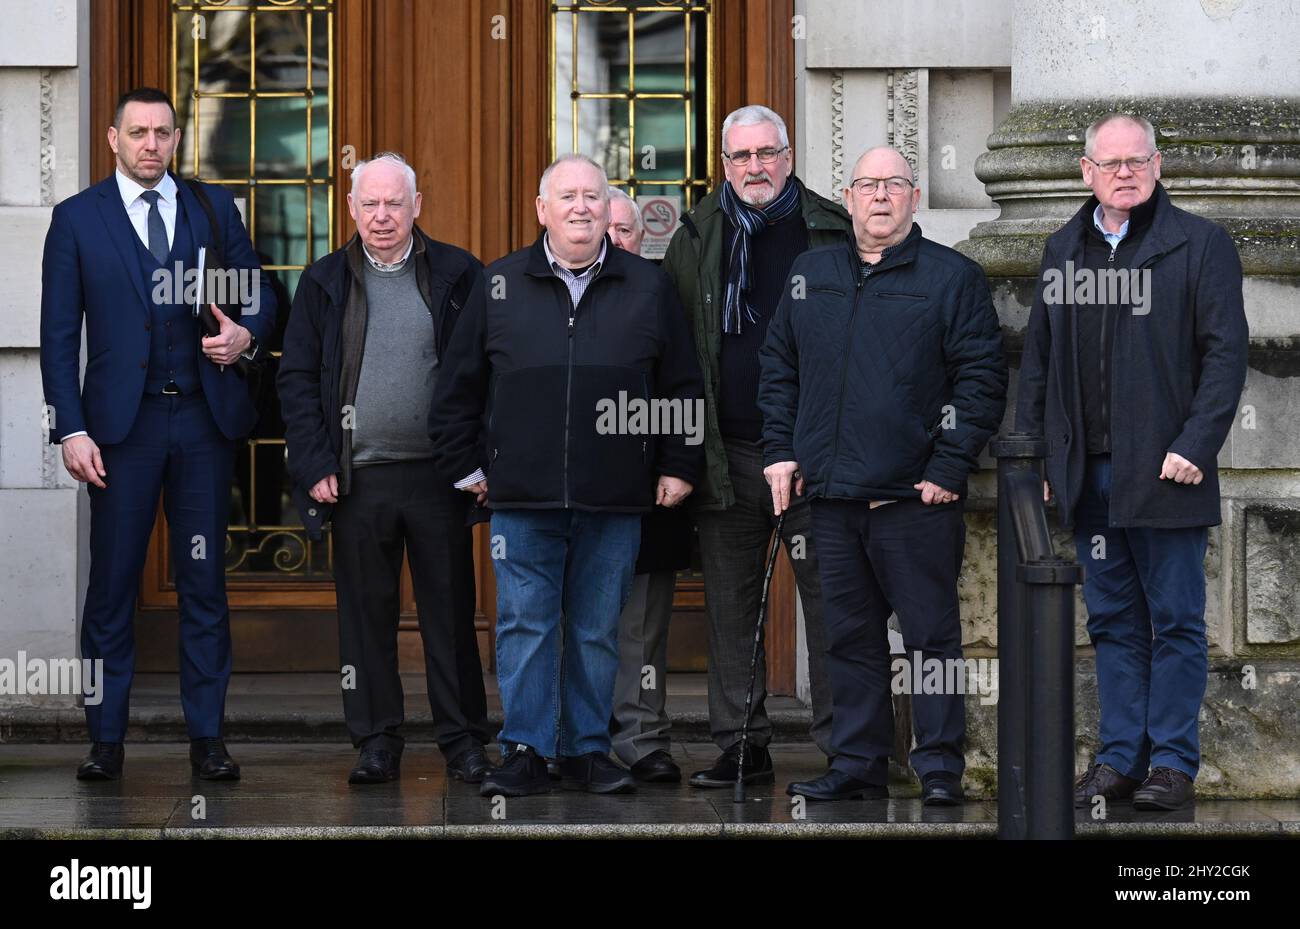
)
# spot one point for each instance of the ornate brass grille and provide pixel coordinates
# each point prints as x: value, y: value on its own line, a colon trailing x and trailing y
x: 632, y: 86
x: 253, y: 85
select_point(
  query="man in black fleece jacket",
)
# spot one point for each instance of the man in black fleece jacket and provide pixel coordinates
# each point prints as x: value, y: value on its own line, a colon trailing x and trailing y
x: 575, y: 350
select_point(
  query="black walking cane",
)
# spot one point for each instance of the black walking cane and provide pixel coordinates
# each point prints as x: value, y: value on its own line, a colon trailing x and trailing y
x: 738, y: 795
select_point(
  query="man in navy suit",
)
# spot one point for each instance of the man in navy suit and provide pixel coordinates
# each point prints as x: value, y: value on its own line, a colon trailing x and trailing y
x: 161, y: 410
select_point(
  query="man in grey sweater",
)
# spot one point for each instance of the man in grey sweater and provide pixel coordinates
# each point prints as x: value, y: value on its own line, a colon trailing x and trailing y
x: 369, y: 324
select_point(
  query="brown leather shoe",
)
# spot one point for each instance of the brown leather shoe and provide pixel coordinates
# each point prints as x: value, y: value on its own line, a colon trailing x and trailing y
x: 1165, y: 789
x: 1101, y: 780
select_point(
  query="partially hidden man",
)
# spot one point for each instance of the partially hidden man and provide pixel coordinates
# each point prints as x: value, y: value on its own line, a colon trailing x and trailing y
x: 641, y: 724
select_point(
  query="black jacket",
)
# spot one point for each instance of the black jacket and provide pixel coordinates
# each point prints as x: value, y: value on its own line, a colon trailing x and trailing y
x: 1176, y: 376
x: 874, y: 385
x: 323, y: 345
x: 542, y: 369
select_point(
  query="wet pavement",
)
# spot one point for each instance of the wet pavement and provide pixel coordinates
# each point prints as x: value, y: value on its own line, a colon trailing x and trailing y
x: 299, y: 790
x: 307, y: 707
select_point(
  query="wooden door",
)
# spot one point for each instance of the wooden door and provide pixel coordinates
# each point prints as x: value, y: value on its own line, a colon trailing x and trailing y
x: 279, y: 99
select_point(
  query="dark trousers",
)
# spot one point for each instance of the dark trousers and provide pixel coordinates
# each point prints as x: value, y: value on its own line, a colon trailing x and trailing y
x: 733, y: 550
x: 902, y: 558
x: 391, y: 509
x: 174, y: 448
x: 1145, y: 592
x: 641, y: 720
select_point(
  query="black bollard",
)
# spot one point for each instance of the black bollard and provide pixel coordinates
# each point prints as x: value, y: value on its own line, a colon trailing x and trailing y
x: 1016, y: 453
x: 1035, y: 651
x: 1049, y: 734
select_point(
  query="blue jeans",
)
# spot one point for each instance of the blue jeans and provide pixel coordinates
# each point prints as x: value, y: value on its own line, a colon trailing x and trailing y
x: 562, y: 579
x: 1145, y: 591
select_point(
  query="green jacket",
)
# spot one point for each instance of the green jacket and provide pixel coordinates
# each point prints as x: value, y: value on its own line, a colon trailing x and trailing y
x: 694, y: 262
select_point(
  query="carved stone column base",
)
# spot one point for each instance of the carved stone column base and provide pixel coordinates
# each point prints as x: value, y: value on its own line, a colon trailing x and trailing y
x: 1234, y: 160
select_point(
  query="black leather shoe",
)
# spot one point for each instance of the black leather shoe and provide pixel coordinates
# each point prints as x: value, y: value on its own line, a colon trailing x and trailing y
x: 553, y: 769
x: 470, y: 766
x: 1165, y: 789
x: 596, y: 773
x: 376, y: 766
x: 521, y: 774
x: 210, y: 761
x: 836, y: 785
x: 941, y: 788
x: 657, y: 767
x: 1101, y: 780
x: 758, y: 768
x: 104, y: 763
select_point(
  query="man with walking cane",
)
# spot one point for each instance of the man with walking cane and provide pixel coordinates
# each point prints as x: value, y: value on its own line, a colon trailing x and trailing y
x: 730, y: 260
x: 882, y: 377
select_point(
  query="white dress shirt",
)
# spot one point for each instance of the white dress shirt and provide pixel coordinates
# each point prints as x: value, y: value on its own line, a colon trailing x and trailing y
x: 137, y: 208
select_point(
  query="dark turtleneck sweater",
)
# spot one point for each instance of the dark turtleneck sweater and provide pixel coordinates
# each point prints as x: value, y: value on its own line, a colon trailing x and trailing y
x: 772, y: 252
x: 1097, y: 321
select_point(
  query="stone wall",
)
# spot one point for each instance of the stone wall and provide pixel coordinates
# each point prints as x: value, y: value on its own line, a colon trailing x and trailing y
x: 43, y: 154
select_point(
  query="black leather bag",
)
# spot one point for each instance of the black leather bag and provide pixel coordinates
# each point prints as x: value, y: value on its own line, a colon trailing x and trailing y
x: 215, y: 260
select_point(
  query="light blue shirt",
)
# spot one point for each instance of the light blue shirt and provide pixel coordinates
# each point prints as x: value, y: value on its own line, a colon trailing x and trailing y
x: 1112, y: 238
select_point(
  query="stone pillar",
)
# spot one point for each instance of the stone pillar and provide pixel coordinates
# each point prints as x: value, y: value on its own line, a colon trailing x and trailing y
x: 1217, y: 79
x: 44, y: 121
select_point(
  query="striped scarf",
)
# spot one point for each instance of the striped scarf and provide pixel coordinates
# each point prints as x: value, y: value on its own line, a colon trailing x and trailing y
x: 747, y: 221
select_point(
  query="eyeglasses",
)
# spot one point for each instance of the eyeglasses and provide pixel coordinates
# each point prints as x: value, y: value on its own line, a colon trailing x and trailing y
x: 867, y: 186
x: 766, y: 156
x: 1135, y: 165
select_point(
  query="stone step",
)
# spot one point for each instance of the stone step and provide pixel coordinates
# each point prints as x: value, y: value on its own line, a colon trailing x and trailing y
x: 300, y: 791
x: 308, y: 708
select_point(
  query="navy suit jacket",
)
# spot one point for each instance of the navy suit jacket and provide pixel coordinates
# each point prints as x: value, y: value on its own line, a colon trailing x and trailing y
x: 92, y: 268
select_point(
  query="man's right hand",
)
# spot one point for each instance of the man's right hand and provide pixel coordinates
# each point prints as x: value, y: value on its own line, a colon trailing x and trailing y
x: 326, y: 490
x: 81, y: 458
x: 1047, y: 493
x: 779, y: 477
x: 479, y: 490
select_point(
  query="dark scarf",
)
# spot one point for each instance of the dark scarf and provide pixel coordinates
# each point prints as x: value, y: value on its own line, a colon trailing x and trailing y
x: 747, y: 221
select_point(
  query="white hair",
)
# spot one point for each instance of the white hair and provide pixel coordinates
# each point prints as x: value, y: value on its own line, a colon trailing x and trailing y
x: 753, y: 115
x: 618, y: 193
x: 1090, y: 137
x: 392, y: 158
x: 571, y: 156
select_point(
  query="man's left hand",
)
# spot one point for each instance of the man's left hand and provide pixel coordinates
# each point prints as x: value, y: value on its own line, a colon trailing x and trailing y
x: 226, y: 346
x: 1179, y: 470
x: 672, y: 491
x: 933, y: 493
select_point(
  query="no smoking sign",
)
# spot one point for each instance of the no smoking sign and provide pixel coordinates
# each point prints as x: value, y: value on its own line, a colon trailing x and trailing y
x: 661, y: 216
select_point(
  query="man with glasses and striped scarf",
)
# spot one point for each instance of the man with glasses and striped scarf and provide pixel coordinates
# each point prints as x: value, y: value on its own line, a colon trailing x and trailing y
x: 730, y: 260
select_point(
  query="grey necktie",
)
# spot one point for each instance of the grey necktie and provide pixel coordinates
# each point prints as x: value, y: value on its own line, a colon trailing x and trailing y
x: 157, y: 228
